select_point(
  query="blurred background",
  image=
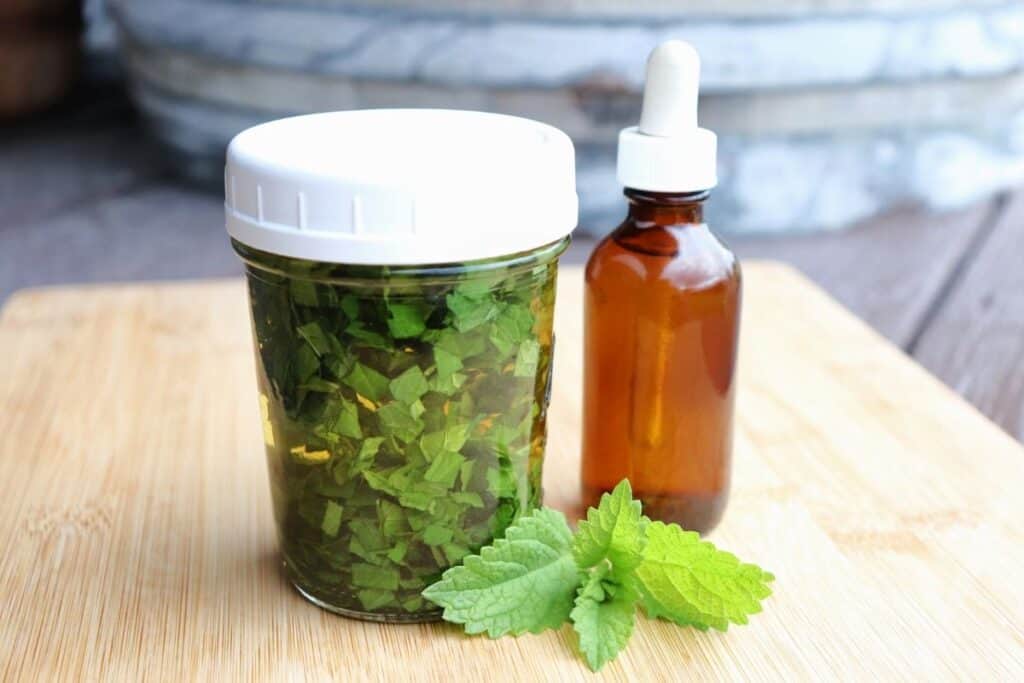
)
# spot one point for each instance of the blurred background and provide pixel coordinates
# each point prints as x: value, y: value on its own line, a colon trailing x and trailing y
x: 878, y: 145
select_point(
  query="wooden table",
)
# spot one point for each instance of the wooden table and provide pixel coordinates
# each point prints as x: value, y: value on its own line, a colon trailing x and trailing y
x: 84, y: 197
x: 136, y: 521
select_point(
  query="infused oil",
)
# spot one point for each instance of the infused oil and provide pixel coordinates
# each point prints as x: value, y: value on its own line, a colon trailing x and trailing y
x: 662, y: 312
x: 662, y: 316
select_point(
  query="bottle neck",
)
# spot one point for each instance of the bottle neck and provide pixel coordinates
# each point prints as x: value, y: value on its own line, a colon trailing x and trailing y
x: 654, y: 209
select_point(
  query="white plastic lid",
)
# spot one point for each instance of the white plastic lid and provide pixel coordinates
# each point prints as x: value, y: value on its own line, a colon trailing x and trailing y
x: 668, y: 151
x: 400, y: 186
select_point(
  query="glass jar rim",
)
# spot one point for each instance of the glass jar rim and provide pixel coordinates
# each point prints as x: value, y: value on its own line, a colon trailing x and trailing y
x: 344, y: 273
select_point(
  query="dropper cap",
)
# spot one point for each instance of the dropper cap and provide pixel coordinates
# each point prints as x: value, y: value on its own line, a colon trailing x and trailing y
x: 669, y: 151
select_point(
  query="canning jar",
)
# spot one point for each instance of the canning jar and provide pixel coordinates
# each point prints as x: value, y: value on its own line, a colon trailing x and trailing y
x: 403, y: 351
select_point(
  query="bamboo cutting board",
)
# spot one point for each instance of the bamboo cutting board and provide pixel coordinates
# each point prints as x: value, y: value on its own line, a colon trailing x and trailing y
x: 137, y: 539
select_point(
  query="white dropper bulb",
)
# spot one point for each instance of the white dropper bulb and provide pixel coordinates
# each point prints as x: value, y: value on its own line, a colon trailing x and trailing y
x: 670, y: 93
x: 669, y: 151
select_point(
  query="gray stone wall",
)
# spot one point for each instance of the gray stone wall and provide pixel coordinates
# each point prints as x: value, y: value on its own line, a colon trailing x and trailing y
x: 827, y: 112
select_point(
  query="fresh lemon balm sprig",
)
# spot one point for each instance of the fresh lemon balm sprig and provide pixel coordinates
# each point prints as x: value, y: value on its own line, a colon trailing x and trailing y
x: 541, y: 575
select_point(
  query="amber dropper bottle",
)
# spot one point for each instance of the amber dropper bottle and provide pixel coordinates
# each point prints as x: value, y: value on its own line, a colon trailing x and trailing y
x: 662, y: 309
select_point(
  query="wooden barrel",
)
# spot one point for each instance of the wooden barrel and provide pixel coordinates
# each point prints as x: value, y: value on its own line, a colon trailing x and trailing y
x: 828, y: 110
x: 38, y: 53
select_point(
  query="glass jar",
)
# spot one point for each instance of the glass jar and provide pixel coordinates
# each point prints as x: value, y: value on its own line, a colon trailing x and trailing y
x: 404, y: 416
x: 401, y: 271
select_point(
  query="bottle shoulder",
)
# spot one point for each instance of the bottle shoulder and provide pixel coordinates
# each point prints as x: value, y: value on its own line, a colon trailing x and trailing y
x: 690, y: 255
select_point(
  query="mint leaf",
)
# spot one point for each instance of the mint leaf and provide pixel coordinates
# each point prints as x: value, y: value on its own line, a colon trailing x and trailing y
x: 524, y: 582
x: 617, y: 560
x: 681, y: 614
x: 613, y: 531
x: 604, y: 615
x: 689, y: 581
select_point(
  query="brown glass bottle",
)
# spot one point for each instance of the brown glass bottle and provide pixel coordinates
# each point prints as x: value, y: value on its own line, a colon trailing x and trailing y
x: 662, y: 314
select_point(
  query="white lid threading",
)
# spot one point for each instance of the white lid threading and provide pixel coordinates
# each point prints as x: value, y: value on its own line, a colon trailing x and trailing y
x: 400, y: 186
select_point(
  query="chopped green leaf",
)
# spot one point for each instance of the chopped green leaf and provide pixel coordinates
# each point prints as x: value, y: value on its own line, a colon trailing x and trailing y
x: 306, y: 363
x: 339, y: 365
x: 379, y: 482
x: 368, y: 450
x: 436, y: 534
x: 319, y: 384
x: 397, y: 553
x: 332, y: 518
x: 457, y: 344
x: 418, y: 500
x: 470, y: 312
x: 409, y: 386
x: 513, y: 326
x: 350, y: 306
x: 416, y: 409
x: 303, y: 292
x: 396, y: 420
x: 500, y: 482
x: 447, y: 363
x: 445, y: 468
x: 369, y: 576
x: 367, y: 381
x: 449, y: 439
x: 347, y: 423
x: 526, y: 360
x: 374, y: 598
x: 469, y: 498
x: 448, y: 385
x: 407, y: 319
x: 315, y: 337
x: 358, y: 331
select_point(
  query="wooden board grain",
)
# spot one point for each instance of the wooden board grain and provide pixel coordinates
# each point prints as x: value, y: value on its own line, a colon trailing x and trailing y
x: 138, y: 541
